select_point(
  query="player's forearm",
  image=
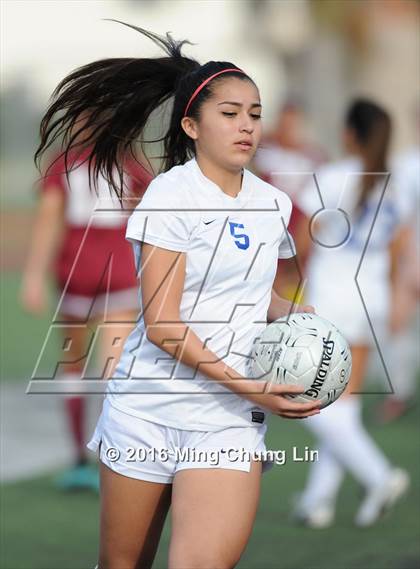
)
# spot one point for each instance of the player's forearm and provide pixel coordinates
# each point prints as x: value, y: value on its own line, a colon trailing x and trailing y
x: 45, y: 238
x: 42, y: 248
x: 278, y: 307
x: 181, y: 342
x: 400, y: 258
x: 303, y: 237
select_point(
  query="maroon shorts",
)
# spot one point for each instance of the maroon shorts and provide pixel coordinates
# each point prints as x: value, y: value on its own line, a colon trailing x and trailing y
x: 94, y: 266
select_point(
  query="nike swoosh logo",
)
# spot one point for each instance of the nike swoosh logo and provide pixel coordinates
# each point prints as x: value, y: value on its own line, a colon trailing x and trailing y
x: 207, y: 222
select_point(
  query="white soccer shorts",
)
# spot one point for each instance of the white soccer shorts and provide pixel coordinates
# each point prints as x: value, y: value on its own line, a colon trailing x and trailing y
x: 148, y: 451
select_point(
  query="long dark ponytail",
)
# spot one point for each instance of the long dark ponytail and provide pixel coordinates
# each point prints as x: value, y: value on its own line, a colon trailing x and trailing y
x: 371, y: 126
x: 105, y: 106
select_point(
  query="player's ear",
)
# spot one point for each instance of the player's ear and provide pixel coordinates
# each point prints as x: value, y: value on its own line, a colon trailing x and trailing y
x: 190, y: 127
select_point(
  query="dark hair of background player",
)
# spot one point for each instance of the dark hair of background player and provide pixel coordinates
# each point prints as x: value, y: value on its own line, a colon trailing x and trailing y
x: 371, y: 128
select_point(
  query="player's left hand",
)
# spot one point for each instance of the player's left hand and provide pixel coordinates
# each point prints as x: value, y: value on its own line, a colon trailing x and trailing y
x: 306, y: 308
x: 295, y: 308
x: 280, y: 307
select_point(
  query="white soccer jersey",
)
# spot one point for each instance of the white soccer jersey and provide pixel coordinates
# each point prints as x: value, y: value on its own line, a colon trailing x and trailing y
x: 406, y: 175
x: 287, y: 169
x: 347, y: 244
x: 231, y: 246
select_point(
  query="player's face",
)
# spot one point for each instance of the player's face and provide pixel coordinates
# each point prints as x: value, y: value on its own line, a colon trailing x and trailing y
x: 229, y: 129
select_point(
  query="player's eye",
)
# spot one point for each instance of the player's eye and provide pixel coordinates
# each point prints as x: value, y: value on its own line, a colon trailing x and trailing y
x: 254, y: 116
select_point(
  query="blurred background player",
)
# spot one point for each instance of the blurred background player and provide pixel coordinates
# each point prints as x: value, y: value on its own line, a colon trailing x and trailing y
x: 351, y: 191
x: 287, y: 158
x: 94, y: 274
x: 403, y: 345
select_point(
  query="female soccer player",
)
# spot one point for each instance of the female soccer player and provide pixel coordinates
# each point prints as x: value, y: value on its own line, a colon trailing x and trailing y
x: 207, y: 236
x: 359, y: 233
x: 404, y: 364
x: 94, y: 274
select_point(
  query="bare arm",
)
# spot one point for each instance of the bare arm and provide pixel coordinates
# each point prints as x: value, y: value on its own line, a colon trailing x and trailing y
x: 402, y: 262
x: 290, y: 283
x: 281, y: 307
x: 163, y: 275
x: 45, y: 239
x: 401, y: 254
x: 303, y: 239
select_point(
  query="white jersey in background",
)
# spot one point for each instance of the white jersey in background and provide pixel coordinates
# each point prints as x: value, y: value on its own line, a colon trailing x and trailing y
x: 232, y: 246
x: 406, y: 176
x: 287, y: 169
x: 406, y: 173
x: 339, y: 243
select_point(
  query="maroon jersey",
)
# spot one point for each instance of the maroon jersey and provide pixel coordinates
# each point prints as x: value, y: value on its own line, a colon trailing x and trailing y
x: 94, y: 256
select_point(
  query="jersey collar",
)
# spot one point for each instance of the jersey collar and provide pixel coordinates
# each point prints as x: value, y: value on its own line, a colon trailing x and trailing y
x: 245, y: 188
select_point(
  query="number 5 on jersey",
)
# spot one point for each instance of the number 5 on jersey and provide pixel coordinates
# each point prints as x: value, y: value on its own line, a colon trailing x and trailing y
x: 241, y: 239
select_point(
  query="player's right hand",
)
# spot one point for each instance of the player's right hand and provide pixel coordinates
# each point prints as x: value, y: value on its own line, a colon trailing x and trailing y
x: 33, y: 295
x: 274, y: 400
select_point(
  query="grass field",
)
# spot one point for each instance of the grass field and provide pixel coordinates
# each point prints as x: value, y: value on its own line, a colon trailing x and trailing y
x: 44, y: 529
x: 22, y: 336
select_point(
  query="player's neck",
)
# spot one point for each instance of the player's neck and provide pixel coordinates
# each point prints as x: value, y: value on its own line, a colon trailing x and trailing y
x: 230, y: 182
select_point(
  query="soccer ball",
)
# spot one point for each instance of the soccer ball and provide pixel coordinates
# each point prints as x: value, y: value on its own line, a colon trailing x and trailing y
x: 303, y: 349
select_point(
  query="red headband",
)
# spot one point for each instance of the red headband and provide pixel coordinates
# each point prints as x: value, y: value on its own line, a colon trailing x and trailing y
x: 204, y: 83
